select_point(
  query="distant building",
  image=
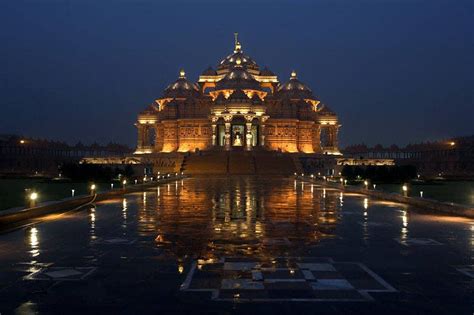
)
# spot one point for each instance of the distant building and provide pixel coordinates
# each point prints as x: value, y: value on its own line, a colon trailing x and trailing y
x: 27, y: 156
x: 446, y: 158
x: 237, y: 106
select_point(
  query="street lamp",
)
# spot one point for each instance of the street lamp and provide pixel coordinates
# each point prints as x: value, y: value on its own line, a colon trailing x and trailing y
x: 405, y: 190
x: 33, y: 197
x: 124, y: 182
x: 366, y: 184
x: 93, y: 187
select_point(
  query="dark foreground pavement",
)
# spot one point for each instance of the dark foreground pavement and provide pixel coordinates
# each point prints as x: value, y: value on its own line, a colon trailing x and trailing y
x: 240, y: 245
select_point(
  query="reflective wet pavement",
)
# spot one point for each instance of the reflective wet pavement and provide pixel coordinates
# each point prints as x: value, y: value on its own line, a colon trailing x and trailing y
x: 240, y: 245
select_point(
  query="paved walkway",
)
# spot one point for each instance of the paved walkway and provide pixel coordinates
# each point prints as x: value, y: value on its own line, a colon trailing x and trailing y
x: 240, y: 245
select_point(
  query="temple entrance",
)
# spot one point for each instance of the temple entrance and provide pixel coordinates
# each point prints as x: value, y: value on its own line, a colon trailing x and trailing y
x: 237, y: 133
x: 238, y: 136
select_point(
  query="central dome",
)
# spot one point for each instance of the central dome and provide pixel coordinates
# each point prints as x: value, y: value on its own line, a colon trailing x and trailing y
x: 231, y: 60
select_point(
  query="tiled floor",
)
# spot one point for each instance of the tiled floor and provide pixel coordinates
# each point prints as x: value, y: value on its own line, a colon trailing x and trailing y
x: 308, y: 279
x: 240, y: 245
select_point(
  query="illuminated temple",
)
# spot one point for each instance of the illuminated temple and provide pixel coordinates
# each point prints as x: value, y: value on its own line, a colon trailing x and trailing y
x: 237, y: 106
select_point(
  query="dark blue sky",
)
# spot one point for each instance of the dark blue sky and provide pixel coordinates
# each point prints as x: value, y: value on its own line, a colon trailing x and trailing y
x: 395, y: 71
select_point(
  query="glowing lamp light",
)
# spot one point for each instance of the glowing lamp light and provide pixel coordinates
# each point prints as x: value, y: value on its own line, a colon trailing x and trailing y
x: 452, y: 143
x: 405, y: 188
x: 374, y: 185
x: 421, y: 193
x: 136, y: 181
x: 112, y: 186
x: 93, y: 187
x: 366, y: 183
x: 345, y: 181
x: 312, y: 176
x: 72, y: 192
x: 124, y: 182
x: 341, y: 180
x: 22, y: 141
x: 33, y: 196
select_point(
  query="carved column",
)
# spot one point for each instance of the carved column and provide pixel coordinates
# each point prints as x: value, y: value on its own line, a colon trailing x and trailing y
x: 227, y: 120
x: 214, y: 126
x: 139, y: 135
x: 248, y: 135
x: 263, y: 119
x: 317, y: 139
x: 227, y: 136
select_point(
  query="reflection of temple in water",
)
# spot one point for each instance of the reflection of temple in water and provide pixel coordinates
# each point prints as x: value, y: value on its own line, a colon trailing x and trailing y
x: 236, y: 215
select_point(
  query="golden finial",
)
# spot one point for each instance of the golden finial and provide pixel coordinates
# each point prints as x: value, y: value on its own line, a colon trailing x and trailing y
x: 182, y: 74
x: 237, y: 44
x: 293, y: 74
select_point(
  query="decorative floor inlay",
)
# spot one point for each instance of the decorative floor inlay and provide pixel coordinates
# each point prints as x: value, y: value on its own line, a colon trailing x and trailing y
x: 61, y: 273
x: 420, y: 241
x: 283, y: 279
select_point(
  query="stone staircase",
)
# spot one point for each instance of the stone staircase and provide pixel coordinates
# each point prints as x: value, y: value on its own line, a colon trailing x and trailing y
x: 239, y: 163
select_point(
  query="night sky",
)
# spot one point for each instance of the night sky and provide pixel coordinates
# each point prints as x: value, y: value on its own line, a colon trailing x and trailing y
x: 394, y: 71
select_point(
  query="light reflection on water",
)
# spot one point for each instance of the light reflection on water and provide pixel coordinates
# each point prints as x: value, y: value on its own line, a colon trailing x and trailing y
x: 34, y: 243
x: 236, y: 215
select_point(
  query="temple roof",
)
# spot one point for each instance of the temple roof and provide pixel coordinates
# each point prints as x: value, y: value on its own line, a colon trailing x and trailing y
x: 230, y: 61
x: 181, y: 87
x: 238, y: 96
x: 295, y: 88
x: 209, y: 71
x: 266, y: 72
x: 238, y: 78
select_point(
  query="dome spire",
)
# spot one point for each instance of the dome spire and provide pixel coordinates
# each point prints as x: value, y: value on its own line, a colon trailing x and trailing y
x: 182, y: 74
x: 293, y: 75
x: 238, y: 46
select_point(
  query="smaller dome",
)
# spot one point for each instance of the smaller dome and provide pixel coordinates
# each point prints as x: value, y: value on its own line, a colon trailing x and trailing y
x: 295, y: 88
x: 181, y: 87
x: 209, y: 71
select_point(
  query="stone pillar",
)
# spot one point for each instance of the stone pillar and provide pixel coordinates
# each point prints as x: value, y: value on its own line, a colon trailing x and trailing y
x: 214, y: 126
x: 317, y: 139
x: 227, y: 119
x: 248, y: 136
x: 263, y: 119
x: 227, y: 135
x: 140, y: 136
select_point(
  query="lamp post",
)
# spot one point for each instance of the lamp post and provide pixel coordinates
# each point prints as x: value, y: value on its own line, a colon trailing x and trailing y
x: 124, y: 183
x: 72, y: 192
x: 405, y: 190
x: 33, y: 197
x: 366, y: 184
x: 112, y: 186
x: 93, y: 188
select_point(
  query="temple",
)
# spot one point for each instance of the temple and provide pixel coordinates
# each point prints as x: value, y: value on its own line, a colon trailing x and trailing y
x: 237, y: 106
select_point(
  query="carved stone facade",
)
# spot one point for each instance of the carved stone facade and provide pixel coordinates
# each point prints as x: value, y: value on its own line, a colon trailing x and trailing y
x: 238, y: 106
